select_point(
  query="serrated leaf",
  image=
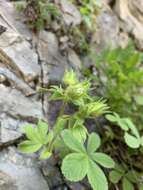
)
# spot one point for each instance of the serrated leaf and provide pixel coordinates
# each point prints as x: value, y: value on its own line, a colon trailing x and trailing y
x: 75, y: 166
x: 42, y: 129
x: 29, y: 147
x: 72, y: 142
x: 132, y: 176
x: 115, y: 176
x: 79, y: 133
x: 103, y: 159
x: 45, y: 154
x: 30, y: 132
x: 132, y: 141
x: 127, y: 185
x: 96, y: 177
x: 119, y: 168
x: 93, y: 142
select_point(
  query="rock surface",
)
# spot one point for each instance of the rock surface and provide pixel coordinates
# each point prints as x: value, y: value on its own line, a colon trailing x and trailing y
x: 18, y: 172
x: 130, y: 14
x: 28, y: 62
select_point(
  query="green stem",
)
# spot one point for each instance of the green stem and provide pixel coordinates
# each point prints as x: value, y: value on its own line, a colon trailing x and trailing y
x: 60, y: 114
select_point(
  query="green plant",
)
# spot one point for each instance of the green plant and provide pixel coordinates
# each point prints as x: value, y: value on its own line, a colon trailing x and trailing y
x: 39, y: 14
x: 69, y: 136
x: 132, y: 139
x: 127, y: 177
x: 88, y: 10
x: 120, y: 78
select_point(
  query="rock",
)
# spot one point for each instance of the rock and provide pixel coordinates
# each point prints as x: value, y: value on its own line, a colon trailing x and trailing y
x: 74, y: 60
x: 16, y: 110
x: 24, y: 58
x: 48, y: 46
x: 7, y: 182
x: 10, y: 130
x: 17, y: 105
x: 8, y: 10
x: 107, y: 24
x: 8, y: 77
x: 131, y: 18
x: 69, y: 12
x: 15, y: 51
x: 18, y: 172
x: 52, y: 175
x: 53, y: 63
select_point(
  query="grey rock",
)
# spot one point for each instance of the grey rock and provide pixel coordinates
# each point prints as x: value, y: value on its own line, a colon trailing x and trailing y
x: 16, y: 18
x: 69, y: 12
x: 24, y: 58
x: 17, y: 105
x: 19, y: 171
x: 130, y: 14
x: 7, y: 182
x: 107, y: 25
x: 53, y: 63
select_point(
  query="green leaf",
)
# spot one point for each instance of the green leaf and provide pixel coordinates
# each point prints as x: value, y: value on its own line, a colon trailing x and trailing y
x: 132, y: 141
x: 29, y: 147
x: 43, y: 128
x: 96, y: 177
x: 60, y: 124
x: 49, y: 137
x: 141, y: 187
x: 141, y: 141
x: 103, y: 159
x: 139, y: 100
x: 72, y: 142
x: 127, y: 185
x: 74, y: 166
x: 70, y: 78
x: 111, y: 118
x: 115, y: 176
x: 45, y: 154
x: 30, y: 133
x: 93, y: 142
x: 132, y: 176
x: 132, y: 127
x: 79, y: 133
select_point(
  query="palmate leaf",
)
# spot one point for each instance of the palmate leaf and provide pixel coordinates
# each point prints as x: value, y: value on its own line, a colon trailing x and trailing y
x: 75, y: 166
x: 127, y: 185
x: 103, y: 159
x: 29, y: 146
x: 72, y: 142
x: 93, y: 143
x: 96, y: 177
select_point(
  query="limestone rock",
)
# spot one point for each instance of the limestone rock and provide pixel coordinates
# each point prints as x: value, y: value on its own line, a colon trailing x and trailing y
x: 69, y: 12
x: 18, y: 172
x: 131, y: 17
x: 107, y: 29
x: 17, y: 105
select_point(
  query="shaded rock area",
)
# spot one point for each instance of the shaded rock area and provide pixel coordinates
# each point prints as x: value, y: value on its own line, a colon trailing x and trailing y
x: 28, y: 62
